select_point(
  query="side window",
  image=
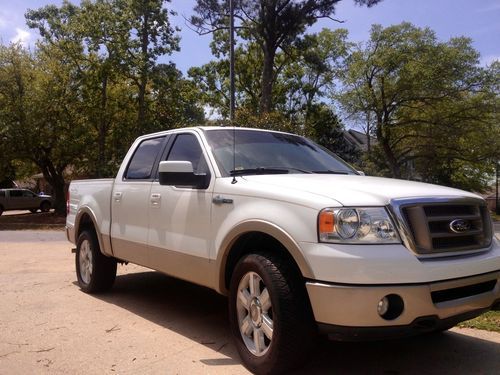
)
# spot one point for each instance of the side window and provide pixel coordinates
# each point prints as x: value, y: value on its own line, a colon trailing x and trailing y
x: 2, y: 193
x: 16, y: 193
x: 143, y: 161
x: 187, y: 148
x: 27, y: 193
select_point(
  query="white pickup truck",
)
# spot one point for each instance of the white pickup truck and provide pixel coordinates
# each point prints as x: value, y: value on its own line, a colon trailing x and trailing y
x: 299, y: 241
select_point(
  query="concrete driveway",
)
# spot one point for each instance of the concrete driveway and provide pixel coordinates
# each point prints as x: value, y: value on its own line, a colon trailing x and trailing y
x: 150, y: 323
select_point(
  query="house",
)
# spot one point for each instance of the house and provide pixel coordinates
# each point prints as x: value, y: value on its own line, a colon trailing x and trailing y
x: 358, y: 140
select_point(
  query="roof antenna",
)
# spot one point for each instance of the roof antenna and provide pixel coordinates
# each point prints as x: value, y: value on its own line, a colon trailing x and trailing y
x: 231, y: 79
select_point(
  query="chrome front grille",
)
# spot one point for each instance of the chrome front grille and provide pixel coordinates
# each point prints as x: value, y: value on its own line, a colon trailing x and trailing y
x: 444, y: 225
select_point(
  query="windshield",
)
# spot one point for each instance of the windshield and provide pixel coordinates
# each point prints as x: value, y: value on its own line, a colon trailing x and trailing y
x: 264, y: 152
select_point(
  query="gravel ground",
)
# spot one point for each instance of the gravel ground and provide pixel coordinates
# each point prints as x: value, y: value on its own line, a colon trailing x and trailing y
x: 150, y: 323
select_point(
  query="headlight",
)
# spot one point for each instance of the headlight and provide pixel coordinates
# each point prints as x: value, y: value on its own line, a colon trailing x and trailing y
x: 356, y: 225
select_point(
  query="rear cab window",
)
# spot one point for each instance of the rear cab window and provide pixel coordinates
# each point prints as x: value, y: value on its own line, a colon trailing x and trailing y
x: 143, y: 162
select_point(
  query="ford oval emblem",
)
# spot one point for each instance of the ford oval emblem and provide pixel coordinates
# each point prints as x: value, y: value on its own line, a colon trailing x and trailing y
x: 459, y: 226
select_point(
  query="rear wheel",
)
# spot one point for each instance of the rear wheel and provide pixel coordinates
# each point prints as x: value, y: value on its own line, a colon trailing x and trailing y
x: 270, y: 315
x: 45, y: 206
x: 95, y: 271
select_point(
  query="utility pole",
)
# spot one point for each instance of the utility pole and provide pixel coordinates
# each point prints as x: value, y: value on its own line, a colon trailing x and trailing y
x: 231, y: 62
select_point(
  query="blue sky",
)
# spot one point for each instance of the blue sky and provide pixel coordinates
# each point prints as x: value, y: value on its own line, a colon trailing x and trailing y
x: 479, y: 20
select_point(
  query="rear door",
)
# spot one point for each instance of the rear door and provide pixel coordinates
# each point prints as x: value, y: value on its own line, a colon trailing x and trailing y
x: 130, y: 202
x: 16, y: 200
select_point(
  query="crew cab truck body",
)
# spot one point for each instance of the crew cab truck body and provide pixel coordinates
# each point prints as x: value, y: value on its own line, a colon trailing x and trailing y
x: 23, y: 199
x: 296, y: 238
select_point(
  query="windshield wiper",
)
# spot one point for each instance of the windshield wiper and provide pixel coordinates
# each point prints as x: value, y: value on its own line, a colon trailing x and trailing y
x: 259, y: 170
x: 330, y: 172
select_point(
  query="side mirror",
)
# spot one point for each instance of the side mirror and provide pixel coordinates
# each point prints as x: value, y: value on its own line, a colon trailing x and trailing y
x: 180, y: 173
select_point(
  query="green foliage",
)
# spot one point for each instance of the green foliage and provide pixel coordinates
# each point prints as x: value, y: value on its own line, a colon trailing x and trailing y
x: 90, y: 88
x: 40, y: 112
x: 274, y: 26
x: 325, y: 128
x: 113, y: 46
x: 429, y: 104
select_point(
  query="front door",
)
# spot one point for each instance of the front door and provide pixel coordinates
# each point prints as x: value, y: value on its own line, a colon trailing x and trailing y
x: 179, y: 234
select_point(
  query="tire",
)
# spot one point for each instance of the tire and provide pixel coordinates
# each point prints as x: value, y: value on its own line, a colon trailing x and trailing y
x: 33, y: 210
x: 45, y: 206
x: 270, y: 314
x: 95, y: 271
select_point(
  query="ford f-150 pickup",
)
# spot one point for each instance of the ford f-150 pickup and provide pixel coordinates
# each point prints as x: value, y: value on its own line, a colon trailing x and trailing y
x: 298, y: 240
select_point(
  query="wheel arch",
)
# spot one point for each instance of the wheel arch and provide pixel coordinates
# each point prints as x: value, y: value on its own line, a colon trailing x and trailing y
x: 85, y: 220
x: 241, y: 241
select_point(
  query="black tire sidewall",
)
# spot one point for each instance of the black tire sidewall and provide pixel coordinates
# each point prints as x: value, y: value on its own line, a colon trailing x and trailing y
x: 86, y: 236
x: 45, y: 206
x: 280, y: 288
x: 248, y: 265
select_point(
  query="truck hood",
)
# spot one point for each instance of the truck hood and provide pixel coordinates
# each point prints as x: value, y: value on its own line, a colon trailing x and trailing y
x: 354, y: 190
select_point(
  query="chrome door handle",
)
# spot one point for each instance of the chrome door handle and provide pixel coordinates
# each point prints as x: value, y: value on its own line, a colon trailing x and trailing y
x: 155, y: 199
x: 221, y: 200
x: 117, y: 196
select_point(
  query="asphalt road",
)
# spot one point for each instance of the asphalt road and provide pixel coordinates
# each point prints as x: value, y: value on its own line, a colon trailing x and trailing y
x: 150, y: 323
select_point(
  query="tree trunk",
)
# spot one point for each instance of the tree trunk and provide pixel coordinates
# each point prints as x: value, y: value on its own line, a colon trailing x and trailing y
x: 101, y: 144
x: 267, y: 83
x: 56, y: 180
x: 390, y: 158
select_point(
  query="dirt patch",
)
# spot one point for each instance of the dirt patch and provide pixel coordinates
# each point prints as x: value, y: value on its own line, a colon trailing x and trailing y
x: 41, y: 220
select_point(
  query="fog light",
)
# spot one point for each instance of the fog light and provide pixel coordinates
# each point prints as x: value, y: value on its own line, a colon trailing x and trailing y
x: 390, y: 307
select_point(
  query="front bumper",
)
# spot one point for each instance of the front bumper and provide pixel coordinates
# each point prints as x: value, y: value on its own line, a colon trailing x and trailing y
x: 353, y: 308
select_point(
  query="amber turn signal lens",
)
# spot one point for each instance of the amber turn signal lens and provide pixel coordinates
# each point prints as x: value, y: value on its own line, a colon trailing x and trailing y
x: 326, y: 221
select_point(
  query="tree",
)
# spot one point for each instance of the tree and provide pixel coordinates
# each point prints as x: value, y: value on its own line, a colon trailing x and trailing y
x: 147, y: 34
x: 420, y: 92
x: 113, y: 37
x: 273, y: 24
x: 40, y: 110
x: 325, y: 128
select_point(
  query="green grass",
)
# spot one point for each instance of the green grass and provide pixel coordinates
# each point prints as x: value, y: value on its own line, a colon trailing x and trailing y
x: 489, y: 321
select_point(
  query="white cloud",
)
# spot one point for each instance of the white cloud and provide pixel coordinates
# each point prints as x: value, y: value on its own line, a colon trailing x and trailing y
x: 22, y: 37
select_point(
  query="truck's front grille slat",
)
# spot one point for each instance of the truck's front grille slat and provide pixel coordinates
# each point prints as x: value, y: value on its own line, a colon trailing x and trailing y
x: 444, y: 227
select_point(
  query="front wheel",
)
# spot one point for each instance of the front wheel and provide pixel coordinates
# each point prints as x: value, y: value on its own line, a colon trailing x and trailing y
x: 95, y: 271
x: 270, y: 314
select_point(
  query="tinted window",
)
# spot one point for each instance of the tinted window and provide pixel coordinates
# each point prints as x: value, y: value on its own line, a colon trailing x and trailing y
x: 187, y: 148
x: 16, y: 193
x: 27, y: 193
x: 142, y: 163
x: 2, y: 193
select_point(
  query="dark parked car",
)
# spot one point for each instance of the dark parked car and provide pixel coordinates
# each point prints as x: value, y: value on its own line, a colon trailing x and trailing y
x: 23, y: 199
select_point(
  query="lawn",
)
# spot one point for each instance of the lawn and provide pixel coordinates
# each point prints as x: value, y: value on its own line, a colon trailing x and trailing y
x: 489, y: 321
